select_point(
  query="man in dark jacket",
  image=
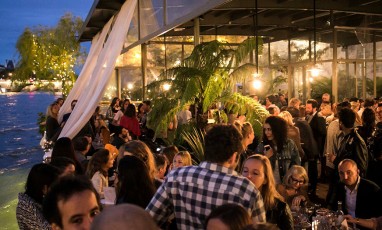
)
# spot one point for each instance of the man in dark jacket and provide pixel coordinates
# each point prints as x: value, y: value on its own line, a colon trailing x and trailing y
x: 361, y: 198
x: 350, y: 143
x: 318, y: 125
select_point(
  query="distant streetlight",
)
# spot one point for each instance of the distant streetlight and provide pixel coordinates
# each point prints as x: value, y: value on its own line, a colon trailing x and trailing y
x: 130, y: 86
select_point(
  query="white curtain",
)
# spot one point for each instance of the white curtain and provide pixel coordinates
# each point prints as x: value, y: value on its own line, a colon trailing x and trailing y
x: 84, y: 77
x: 90, y: 93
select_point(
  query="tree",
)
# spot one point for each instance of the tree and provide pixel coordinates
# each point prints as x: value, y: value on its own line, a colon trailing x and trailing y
x: 50, y: 53
x: 206, y: 78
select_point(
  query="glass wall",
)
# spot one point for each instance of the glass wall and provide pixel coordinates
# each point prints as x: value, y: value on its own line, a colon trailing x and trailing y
x: 132, y: 33
x: 151, y: 16
x: 355, y: 65
x: 178, y: 8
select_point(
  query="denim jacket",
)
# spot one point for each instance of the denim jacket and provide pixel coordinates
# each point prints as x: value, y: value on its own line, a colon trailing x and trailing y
x: 288, y: 157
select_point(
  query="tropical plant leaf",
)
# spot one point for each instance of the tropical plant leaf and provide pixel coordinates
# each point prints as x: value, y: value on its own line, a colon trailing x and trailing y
x: 241, y: 72
x: 195, y: 139
x: 245, y: 48
x: 214, y: 89
x: 164, y: 109
x: 206, y: 77
x: 255, y: 113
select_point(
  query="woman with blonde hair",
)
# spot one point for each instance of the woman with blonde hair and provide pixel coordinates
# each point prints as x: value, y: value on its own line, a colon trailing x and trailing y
x: 52, y: 126
x: 182, y: 159
x: 294, y: 186
x: 293, y: 132
x: 355, y: 107
x: 257, y: 168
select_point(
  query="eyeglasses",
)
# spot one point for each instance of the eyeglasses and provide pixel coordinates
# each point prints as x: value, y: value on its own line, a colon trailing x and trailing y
x: 295, y: 181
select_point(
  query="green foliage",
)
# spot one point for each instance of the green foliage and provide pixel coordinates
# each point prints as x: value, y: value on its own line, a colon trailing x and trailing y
x: 162, y: 113
x: 321, y: 85
x: 205, y: 78
x: 379, y: 86
x: 50, y: 53
x: 255, y: 113
x: 195, y: 139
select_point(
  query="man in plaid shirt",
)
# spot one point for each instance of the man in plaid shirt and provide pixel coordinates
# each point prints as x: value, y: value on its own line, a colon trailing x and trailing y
x: 192, y: 192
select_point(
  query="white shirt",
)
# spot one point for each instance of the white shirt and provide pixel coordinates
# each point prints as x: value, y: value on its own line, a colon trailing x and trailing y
x: 351, y: 198
x: 118, y: 116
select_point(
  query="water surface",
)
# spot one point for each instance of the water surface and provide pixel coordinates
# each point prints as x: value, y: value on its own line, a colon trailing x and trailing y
x: 19, y: 147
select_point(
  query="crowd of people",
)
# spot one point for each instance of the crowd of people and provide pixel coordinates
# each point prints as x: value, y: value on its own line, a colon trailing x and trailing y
x: 243, y: 182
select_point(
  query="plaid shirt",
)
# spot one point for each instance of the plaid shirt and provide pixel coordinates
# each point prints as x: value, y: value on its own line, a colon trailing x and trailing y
x: 192, y: 192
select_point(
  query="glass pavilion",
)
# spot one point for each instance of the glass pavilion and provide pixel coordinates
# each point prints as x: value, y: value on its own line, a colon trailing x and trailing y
x: 346, y: 34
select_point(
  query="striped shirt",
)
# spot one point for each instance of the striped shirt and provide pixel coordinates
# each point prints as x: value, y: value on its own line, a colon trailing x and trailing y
x: 192, y: 192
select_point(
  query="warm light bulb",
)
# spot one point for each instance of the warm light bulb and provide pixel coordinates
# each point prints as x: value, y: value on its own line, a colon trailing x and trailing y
x: 166, y: 86
x: 130, y: 86
x: 257, y: 84
x: 315, y: 71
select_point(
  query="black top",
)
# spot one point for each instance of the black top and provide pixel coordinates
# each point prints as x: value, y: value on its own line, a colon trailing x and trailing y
x: 280, y: 215
x: 52, y: 128
x: 117, y: 142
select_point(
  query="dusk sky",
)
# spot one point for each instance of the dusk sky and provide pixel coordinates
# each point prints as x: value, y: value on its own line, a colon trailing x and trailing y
x: 16, y: 15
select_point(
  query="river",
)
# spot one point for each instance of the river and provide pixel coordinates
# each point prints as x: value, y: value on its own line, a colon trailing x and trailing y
x: 19, y: 147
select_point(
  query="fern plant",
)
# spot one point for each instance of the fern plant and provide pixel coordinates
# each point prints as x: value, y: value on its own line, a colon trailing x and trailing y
x: 205, y: 78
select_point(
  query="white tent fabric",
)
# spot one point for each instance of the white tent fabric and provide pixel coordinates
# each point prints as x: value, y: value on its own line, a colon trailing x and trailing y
x: 91, y: 94
x: 84, y: 77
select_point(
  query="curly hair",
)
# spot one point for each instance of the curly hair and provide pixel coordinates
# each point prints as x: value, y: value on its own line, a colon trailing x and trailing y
x: 221, y: 142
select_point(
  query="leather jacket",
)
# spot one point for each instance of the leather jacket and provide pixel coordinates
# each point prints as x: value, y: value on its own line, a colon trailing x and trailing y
x: 280, y: 215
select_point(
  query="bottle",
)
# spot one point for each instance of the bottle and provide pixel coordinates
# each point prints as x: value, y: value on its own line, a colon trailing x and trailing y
x: 339, y: 214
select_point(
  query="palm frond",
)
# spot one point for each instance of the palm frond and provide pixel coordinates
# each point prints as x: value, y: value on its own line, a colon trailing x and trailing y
x: 214, y: 89
x: 245, y: 48
x: 191, y: 91
x: 255, y: 113
x: 195, y: 139
x: 241, y: 72
x: 164, y: 109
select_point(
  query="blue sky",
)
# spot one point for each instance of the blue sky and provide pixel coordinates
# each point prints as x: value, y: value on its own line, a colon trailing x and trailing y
x: 16, y: 15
